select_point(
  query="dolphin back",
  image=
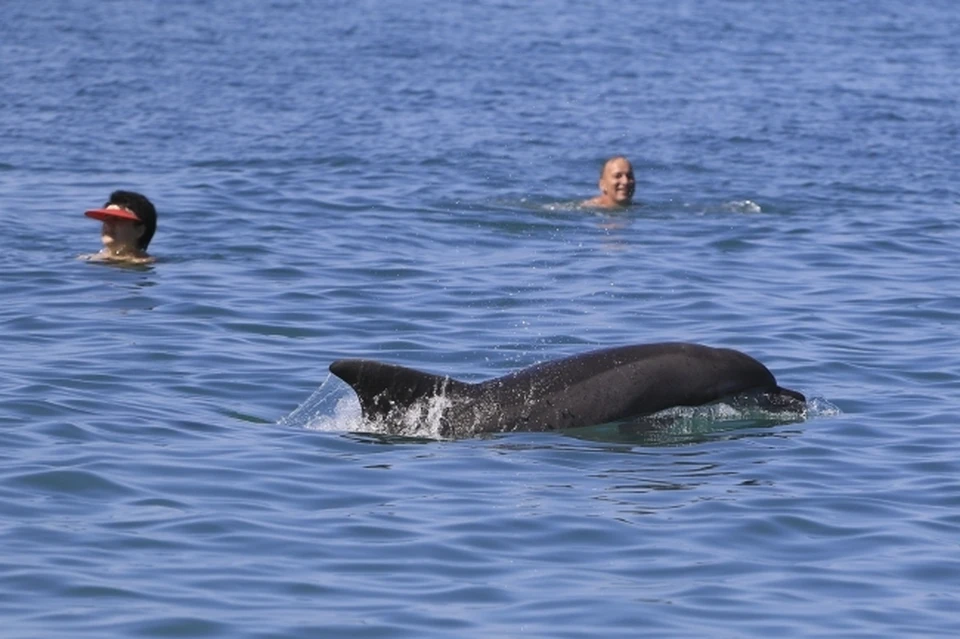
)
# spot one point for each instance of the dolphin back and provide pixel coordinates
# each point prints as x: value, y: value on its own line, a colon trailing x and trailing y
x: 387, y: 389
x: 630, y: 381
x: 591, y: 388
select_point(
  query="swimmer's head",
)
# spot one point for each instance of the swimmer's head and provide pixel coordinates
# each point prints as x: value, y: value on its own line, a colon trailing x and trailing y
x: 129, y: 206
x: 617, y: 183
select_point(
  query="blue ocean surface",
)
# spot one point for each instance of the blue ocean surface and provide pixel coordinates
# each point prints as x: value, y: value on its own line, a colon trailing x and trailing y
x: 401, y: 181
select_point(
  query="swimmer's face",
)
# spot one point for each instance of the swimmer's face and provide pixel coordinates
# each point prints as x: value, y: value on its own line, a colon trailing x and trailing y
x: 617, y: 181
x: 117, y: 232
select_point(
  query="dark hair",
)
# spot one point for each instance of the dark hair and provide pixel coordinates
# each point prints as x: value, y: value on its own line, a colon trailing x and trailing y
x: 144, y: 210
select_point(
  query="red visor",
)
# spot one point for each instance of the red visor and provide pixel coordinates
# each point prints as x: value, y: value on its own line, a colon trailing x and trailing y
x: 102, y: 214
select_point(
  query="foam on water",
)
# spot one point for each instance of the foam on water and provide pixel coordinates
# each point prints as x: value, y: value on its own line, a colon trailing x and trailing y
x: 742, y: 206
x: 423, y: 419
x: 333, y: 407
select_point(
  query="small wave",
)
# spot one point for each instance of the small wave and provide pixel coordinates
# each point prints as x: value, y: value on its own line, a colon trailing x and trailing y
x: 332, y: 407
x: 821, y: 407
x: 683, y: 425
x: 742, y: 206
x: 345, y: 417
x: 738, y: 409
x: 562, y: 206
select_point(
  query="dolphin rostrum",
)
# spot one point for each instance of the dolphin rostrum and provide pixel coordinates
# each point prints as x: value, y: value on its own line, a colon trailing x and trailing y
x: 591, y: 388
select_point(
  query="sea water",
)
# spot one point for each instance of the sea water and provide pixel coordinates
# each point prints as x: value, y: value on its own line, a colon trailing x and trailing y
x: 400, y: 181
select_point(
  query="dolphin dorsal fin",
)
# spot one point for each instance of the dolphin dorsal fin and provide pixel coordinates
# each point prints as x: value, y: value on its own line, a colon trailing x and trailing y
x: 383, y: 388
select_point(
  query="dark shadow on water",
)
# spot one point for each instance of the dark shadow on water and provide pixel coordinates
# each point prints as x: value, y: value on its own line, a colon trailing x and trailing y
x: 665, y: 431
x: 656, y: 431
x: 383, y: 439
x: 746, y: 415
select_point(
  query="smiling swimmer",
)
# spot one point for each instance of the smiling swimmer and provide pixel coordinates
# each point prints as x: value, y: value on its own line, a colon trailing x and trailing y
x: 617, y: 185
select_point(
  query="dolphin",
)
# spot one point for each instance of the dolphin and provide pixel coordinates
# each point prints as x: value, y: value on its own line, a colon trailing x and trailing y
x: 591, y: 388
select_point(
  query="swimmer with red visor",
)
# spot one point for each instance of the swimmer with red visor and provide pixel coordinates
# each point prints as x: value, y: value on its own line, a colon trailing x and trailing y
x: 129, y: 222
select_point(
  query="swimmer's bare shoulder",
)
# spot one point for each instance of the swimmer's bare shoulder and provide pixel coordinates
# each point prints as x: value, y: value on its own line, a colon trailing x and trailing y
x: 114, y: 259
x: 595, y: 203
